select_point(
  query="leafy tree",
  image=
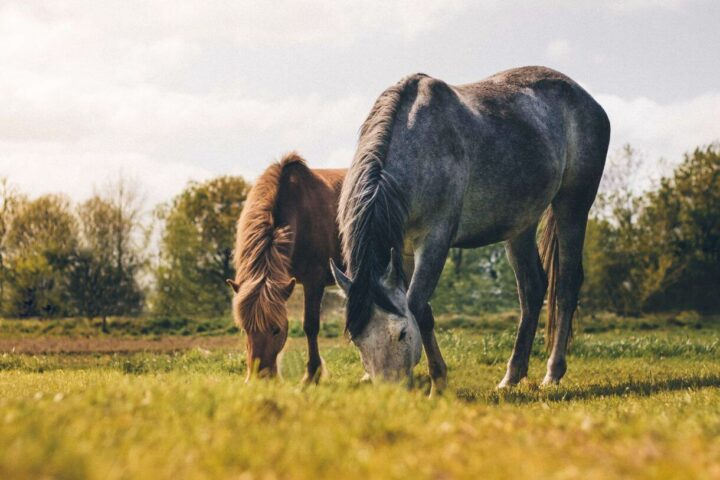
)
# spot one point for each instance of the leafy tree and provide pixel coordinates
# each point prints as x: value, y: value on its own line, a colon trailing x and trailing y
x: 681, y: 236
x: 38, y: 245
x: 611, y: 255
x: 9, y: 202
x: 104, y: 270
x: 476, y: 280
x: 196, y: 248
x: 657, y: 250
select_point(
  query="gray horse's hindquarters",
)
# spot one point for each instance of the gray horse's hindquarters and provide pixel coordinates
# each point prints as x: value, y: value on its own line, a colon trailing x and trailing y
x: 466, y: 166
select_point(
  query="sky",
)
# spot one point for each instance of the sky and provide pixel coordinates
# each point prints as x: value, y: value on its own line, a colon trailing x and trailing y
x: 164, y: 92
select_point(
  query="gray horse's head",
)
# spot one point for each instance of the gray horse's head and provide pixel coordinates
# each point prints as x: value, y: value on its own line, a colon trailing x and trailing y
x: 390, y: 344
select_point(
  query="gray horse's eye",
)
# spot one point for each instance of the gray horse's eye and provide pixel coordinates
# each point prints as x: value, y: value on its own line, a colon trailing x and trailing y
x: 403, y: 332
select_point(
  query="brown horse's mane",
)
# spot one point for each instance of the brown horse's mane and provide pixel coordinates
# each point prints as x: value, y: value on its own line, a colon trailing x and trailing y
x: 262, y: 253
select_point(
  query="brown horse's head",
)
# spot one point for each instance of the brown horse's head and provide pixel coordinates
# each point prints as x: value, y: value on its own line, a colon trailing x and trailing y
x: 263, y: 282
x: 259, y: 309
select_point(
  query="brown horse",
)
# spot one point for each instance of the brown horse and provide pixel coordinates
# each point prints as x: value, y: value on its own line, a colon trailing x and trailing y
x: 286, y: 231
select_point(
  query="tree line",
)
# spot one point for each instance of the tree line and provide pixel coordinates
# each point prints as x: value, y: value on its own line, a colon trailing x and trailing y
x: 658, y: 249
x: 107, y: 256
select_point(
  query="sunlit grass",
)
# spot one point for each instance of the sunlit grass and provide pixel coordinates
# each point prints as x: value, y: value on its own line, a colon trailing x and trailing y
x: 635, y: 404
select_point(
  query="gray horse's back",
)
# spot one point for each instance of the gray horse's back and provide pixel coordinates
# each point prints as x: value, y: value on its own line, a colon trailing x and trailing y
x: 521, y: 135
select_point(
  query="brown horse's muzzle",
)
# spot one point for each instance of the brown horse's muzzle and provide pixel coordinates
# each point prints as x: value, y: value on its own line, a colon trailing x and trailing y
x: 263, y: 349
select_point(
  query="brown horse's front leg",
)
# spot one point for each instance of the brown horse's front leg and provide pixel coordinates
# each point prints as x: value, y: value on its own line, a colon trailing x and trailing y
x: 311, y: 326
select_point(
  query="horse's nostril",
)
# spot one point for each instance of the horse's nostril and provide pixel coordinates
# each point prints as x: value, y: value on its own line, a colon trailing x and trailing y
x: 403, y: 332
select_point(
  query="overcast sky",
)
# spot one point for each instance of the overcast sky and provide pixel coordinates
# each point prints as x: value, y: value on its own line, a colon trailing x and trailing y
x: 167, y: 91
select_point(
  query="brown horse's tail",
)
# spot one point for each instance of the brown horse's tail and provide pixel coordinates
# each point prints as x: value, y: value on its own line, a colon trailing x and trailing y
x: 549, y: 256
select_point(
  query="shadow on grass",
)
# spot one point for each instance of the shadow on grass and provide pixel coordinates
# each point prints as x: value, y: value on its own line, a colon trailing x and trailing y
x: 533, y: 393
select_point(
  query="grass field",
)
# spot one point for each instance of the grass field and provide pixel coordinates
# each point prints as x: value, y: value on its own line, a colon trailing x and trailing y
x: 641, y: 400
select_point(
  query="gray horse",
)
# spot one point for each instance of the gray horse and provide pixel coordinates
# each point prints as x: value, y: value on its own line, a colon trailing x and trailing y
x: 440, y: 166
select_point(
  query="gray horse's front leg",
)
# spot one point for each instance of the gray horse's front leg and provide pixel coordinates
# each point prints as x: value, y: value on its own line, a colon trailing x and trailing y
x: 522, y: 253
x: 436, y: 363
x: 429, y: 262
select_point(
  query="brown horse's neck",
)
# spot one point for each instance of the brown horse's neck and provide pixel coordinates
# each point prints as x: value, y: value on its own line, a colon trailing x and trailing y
x: 287, y: 229
x: 262, y: 252
x: 307, y: 203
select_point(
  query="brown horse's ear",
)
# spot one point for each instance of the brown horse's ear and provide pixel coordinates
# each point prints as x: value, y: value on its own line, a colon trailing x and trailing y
x: 288, y: 289
x: 235, y: 286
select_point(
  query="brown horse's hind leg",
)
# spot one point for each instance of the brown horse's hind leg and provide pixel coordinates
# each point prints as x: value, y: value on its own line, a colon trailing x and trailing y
x: 311, y: 326
x: 570, y: 229
x: 522, y: 253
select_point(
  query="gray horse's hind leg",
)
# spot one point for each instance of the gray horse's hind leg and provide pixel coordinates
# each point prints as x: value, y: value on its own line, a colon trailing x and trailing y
x: 570, y: 208
x: 571, y: 226
x: 531, y: 281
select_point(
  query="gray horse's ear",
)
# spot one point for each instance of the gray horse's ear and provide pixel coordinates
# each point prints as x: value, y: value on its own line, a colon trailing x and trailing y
x: 340, y: 278
x: 392, y: 278
x: 234, y: 285
x: 288, y: 289
x: 386, y: 300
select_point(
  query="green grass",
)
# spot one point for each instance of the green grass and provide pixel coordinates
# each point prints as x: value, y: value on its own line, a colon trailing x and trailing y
x: 636, y: 403
x: 117, y: 326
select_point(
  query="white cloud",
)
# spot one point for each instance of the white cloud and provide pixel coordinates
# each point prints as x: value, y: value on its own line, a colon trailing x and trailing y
x: 37, y: 171
x: 81, y: 97
x: 244, y: 22
x: 75, y: 140
x: 558, y: 50
x: 629, y: 6
x: 89, y: 88
x: 662, y: 130
x: 620, y: 6
x: 339, y: 158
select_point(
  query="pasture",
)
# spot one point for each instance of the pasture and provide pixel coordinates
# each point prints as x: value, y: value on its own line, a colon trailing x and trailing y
x: 640, y: 400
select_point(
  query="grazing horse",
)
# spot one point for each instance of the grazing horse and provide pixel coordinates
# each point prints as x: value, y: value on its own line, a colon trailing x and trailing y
x: 286, y: 231
x: 440, y: 166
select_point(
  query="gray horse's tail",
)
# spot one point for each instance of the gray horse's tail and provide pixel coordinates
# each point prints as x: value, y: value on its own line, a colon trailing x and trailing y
x: 549, y: 256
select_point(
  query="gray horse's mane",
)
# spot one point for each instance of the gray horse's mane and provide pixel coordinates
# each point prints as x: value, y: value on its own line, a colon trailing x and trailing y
x: 372, y: 210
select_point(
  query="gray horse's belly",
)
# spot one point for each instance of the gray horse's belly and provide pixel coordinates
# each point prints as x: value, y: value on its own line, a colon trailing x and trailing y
x: 498, y: 207
x: 474, y: 231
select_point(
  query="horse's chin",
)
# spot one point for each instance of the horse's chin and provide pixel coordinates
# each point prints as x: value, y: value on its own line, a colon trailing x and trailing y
x: 266, y: 372
x: 388, y: 375
x: 396, y: 376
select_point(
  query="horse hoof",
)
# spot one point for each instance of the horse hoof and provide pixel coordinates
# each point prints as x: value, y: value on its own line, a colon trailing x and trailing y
x: 506, y: 384
x: 437, y: 387
x: 514, y: 374
x: 309, y: 379
x: 321, y: 373
x: 550, y: 381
